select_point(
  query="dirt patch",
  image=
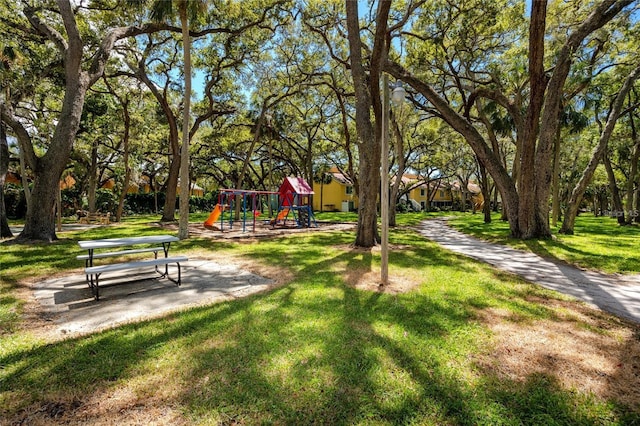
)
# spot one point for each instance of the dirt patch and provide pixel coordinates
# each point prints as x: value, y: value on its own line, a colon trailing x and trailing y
x: 35, y: 320
x: 366, y: 278
x: 261, y: 230
x: 582, y: 348
x: 113, y: 407
x: 370, y: 281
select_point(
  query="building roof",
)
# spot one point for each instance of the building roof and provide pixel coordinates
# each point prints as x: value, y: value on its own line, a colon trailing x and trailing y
x: 297, y: 185
x: 339, y: 176
x: 471, y: 187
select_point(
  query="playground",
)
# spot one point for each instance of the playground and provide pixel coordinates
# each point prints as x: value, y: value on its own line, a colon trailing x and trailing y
x: 247, y: 210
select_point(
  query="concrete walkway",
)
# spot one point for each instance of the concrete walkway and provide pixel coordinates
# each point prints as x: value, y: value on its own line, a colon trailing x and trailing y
x: 69, y: 304
x: 617, y: 294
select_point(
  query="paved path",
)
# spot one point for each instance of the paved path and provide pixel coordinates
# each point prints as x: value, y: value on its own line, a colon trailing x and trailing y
x: 617, y: 294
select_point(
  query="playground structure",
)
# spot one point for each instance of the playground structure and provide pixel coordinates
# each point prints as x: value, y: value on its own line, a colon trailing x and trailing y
x: 292, y: 199
x: 295, y: 197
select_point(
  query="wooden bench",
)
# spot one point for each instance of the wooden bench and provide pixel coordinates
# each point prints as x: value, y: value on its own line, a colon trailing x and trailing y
x: 96, y: 218
x: 96, y: 271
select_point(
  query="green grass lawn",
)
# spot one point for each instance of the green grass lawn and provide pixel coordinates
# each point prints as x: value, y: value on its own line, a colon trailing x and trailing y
x: 313, y: 351
x: 598, y: 243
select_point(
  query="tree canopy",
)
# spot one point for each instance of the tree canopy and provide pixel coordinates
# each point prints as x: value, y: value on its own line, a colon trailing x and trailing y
x: 534, y: 105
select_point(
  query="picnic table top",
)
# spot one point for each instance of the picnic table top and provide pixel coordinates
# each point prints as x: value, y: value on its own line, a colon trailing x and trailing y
x: 126, y: 241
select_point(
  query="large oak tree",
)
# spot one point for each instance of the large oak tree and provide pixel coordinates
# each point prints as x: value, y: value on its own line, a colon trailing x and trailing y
x: 526, y: 197
x: 78, y: 65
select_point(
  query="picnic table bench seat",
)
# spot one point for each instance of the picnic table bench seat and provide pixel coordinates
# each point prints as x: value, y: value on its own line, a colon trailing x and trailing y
x: 96, y: 271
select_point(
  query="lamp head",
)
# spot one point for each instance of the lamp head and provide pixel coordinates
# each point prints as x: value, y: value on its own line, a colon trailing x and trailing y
x: 398, y: 94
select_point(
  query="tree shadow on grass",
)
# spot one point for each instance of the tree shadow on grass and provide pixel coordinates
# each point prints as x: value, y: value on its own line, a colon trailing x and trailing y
x: 348, y: 357
x: 59, y: 255
x: 324, y: 370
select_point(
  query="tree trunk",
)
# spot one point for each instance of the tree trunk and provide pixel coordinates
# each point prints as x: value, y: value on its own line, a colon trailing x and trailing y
x: 5, y: 231
x: 555, y: 181
x: 527, y: 207
x: 632, y: 181
x: 367, y: 95
x: 603, y: 201
x: 23, y: 175
x: 484, y: 176
x: 40, y: 220
x: 171, y: 190
x: 427, y: 191
x: 125, y: 159
x: 489, y: 159
x: 171, y: 184
x: 93, y: 177
x: 183, y: 224
x: 464, y: 197
x: 486, y: 192
x: 399, y: 148
x: 599, y: 151
x: 602, y: 13
x: 369, y: 185
x: 616, y: 200
x: 636, y: 204
x: 59, y: 209
x: 529, y: 221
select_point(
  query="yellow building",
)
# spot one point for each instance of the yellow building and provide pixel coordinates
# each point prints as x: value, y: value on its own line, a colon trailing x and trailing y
x: 442, y: 194
x: 434, y: 194
x: 337, y: 195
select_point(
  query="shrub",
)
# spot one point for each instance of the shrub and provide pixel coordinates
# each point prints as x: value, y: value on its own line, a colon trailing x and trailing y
x: 139, y: 203
x: 71, y: 201
x: 203, y: 204
x: 106, y: 201
x: 402, y: 207
x: 14, y: 201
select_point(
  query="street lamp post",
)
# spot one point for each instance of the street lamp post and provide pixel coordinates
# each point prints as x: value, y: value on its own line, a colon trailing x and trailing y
x: 397, y: 97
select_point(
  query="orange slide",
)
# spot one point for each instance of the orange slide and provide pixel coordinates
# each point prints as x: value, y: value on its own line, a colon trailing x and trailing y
x: 215, y: 214
x: 283, y: 214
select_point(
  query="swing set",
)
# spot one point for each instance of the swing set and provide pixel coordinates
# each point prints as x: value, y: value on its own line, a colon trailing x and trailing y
x: 292, y: 199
